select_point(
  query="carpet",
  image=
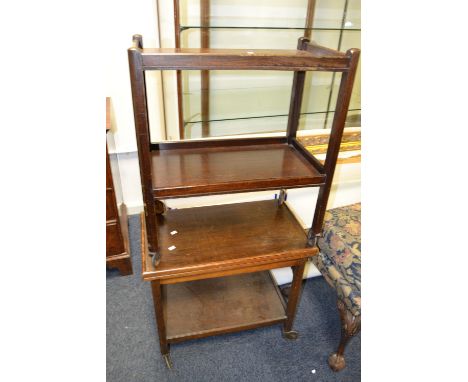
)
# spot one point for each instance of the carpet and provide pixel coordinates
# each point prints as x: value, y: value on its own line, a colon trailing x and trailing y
x: 256, y: 355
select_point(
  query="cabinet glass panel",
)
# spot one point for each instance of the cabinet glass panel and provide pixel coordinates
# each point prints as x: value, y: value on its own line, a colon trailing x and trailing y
x: 238, y: 126
x: 352, y: 39
x: 353, y: 15
x: 248, y: 38
x: 265, y: 14
x: 250, y: 96
x: 238, y: 102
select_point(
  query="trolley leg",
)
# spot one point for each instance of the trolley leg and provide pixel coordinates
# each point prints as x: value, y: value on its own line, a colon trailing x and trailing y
x: 293, y: 299
x: 156, y: 288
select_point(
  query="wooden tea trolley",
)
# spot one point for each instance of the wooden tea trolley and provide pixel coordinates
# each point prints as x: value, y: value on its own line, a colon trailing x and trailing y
x: 209, y: 266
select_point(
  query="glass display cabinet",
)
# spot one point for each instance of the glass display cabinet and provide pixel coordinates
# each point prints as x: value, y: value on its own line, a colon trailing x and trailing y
x: 223, y: 103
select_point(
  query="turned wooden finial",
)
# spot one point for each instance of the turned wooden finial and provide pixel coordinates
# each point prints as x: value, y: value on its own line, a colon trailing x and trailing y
x: 137, y: 41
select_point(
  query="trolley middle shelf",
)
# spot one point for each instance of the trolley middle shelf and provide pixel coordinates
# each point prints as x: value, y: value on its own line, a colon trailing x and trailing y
x: 222, y: 240
x: 231, y: 165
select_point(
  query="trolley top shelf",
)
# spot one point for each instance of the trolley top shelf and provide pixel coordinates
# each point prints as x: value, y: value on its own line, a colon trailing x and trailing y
x: 308, y: 57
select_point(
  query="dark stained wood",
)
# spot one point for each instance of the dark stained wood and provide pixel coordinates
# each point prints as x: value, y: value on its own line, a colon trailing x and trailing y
x: 309, y: 18
x: 182, y: 172
x: 111, y: 210
x: 205, y: 75
x: 219, y: 241
x: 293, y: 296
x: 296, y: 96
x: 177, y: 23
x: 227, y: 237
x: 319, y: 52
x: 341, y: 111
x: 242, y: 59
x: 122, y: 263
x: 205, y: 143
x: 295, y: 105
x: 221, y: 305
x: 143, y: 137
x: 156, y: 289
x: 205, y: 103
x: 206, y: 307
x: 350, y: 326
x: 308, y: 155
x: 180, y: 104
x: 114, y: 240
x: 234, y: 269
x: 117, y: 245
x: 180, y: 107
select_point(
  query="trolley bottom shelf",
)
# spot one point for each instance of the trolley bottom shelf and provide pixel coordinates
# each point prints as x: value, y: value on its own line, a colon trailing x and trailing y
x: 208, y: 307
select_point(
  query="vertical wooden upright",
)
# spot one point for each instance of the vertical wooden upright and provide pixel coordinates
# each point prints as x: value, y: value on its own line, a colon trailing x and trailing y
x: 205, y: 74
x: 180, y: 106
x: 293, y: 299
x: 342, y: 105
x: 138, y: 84
x: 296, y: 96
x: 309, y: 19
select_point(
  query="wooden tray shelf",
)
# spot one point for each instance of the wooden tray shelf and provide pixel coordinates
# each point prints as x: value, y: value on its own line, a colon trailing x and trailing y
x: 190, y: 168
x: 214, y: 306
x: 226, y: 238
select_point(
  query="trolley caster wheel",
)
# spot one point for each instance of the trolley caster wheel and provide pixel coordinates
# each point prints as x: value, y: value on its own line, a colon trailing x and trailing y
x: 167, y: 359
x: 160, y: 207
x: 291, y: 335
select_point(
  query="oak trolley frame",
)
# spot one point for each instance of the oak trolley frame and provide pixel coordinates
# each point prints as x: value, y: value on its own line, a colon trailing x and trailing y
x: 202, y: 261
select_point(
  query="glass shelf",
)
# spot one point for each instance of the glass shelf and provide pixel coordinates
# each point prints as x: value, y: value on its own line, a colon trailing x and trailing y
x: 185, y: 27
x: 239, y: 103
x: 268, y: 124
x: 249, y: 94
x: 269, y: 14
x: 262, y: 38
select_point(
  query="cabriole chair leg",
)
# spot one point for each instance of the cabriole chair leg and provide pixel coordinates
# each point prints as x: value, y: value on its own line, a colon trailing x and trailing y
x: 350, y: 326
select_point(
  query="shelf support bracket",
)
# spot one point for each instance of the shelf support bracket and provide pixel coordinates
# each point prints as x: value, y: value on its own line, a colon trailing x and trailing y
x: 155, y: 258
x: 312, y: 239
x: 282, y: 197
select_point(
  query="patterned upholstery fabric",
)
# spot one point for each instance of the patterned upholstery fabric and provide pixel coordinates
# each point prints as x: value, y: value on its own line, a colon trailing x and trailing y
x: 339, y: 259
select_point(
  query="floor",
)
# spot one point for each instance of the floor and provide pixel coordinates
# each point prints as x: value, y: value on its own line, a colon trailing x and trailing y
x: 256, y: 355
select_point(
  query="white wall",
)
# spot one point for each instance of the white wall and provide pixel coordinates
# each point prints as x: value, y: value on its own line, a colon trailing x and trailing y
x: 124, y: 20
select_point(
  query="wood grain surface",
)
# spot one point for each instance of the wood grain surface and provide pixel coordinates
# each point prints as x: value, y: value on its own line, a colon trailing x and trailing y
x: 226, y: 238
x: 183, y: 172
x: 199, y: 308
